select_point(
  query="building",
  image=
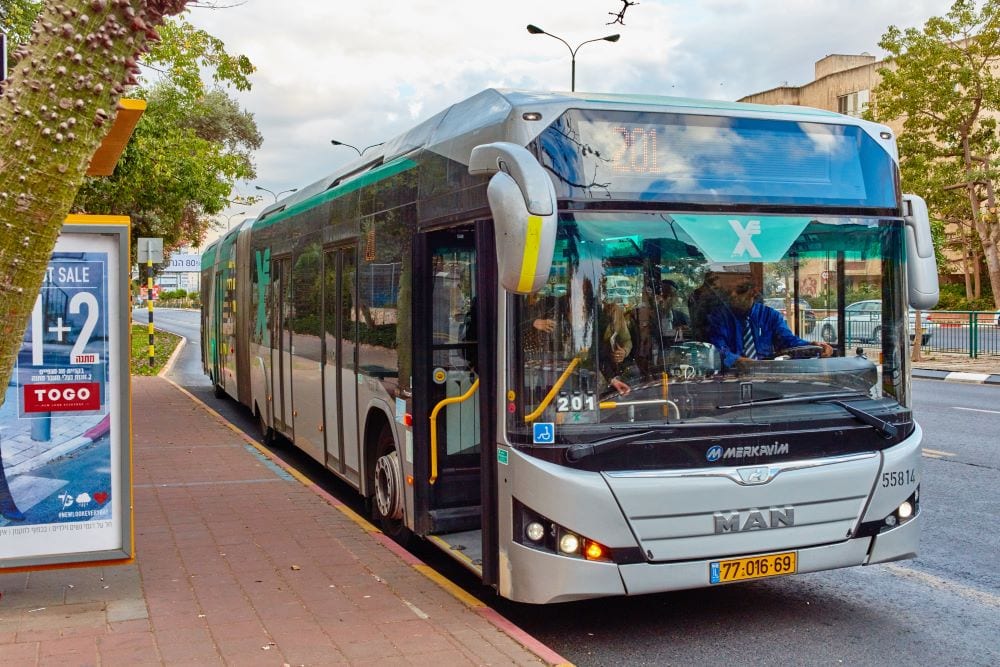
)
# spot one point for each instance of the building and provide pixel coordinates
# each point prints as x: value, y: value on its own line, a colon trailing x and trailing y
x: 844, y: 83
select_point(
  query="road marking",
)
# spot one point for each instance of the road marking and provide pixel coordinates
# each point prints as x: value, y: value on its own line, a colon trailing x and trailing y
x: 457, y: 591
x: 975, y: 594
x: 177, y: 485
x: 935, y: 454
x: 976, y: 378
x: 992, y: 412
x: 415, y: 609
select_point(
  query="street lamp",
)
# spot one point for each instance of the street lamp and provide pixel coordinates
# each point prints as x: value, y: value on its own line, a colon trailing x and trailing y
x: 535, y: 30
x: 275, y: 195
x: 230, y: 217
x: 360, y: 152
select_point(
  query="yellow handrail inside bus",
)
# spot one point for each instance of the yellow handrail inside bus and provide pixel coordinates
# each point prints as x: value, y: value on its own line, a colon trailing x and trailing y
x: 552, y: 392
x: 434, y: 434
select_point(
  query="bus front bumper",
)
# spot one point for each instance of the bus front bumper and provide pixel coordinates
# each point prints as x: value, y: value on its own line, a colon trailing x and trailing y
x: 549, y: 578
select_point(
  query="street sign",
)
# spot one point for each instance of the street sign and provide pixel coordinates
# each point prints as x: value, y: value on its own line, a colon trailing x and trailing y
x: 183, y: 264
x: 150, y: 249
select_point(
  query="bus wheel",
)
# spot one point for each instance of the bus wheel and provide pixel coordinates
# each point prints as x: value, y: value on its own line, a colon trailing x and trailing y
x: 388, y: 505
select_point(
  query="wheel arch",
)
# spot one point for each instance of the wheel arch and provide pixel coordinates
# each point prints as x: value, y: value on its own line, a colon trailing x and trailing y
x: 375, y: 420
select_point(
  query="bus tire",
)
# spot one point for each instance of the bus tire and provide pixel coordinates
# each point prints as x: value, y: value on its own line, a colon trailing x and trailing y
x: 387, y: 502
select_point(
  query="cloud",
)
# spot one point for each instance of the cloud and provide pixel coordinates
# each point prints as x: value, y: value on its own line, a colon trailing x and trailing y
x: 364, y: 72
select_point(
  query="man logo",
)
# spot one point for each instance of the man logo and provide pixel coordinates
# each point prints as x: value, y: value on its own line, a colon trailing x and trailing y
x: 714, y: 453
x: 758, y: 475
x: 746, y: 244
x: 735, y: 521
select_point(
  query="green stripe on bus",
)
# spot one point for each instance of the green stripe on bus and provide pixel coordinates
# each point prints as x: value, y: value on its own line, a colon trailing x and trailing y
x: 368, y: 178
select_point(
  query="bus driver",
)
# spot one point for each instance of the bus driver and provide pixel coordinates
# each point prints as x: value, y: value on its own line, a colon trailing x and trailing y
x: 744, y: 329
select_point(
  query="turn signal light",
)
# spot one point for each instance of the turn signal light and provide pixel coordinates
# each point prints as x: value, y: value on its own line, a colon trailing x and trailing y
x: 594, y: 551
x: 407, y: 419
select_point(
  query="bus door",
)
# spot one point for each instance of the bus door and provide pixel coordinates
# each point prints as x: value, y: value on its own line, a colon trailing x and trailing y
x: 340, y: 387
x: 454, y: 494
x: 281, y: 283
x: 217, y: 341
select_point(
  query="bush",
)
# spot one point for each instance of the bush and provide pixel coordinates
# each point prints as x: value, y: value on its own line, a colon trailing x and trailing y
x: 953, y: 298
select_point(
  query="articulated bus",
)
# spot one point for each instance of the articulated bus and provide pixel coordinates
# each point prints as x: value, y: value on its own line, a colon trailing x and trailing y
x: 497, y: 328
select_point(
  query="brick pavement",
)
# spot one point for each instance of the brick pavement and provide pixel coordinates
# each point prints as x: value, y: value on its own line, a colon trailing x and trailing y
x: 238, y: 562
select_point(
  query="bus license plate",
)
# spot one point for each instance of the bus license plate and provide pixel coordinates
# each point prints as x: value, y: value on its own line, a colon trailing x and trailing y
x: 740, y: 569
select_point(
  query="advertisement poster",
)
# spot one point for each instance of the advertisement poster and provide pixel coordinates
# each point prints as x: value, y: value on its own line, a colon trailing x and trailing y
x: 61, y: 435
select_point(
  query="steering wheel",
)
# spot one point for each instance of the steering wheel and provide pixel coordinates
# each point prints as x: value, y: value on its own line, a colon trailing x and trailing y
x: 802, y: 352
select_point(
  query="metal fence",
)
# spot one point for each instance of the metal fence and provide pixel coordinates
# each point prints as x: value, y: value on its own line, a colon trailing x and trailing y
x: 971, y: 333
x: 975, y: 333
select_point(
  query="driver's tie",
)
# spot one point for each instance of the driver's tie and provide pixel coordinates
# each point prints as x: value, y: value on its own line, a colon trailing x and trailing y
x: 749, y: 349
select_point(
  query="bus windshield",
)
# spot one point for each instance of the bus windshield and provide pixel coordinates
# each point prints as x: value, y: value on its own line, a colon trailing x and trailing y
x: 681, y: 318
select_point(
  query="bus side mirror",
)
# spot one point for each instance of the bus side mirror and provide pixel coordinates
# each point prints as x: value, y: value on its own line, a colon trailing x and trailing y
x: 921, y: 269
x: 523, y: 203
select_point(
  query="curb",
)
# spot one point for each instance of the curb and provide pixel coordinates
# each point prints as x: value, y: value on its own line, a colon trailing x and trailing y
x: 479, y: 607
x: 173, y: 355
x: 956, y: 376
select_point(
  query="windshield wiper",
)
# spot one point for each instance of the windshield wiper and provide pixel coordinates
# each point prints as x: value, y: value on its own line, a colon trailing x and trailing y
x: 886, y: 429
x: 577, y: 452
x: 795, y: 398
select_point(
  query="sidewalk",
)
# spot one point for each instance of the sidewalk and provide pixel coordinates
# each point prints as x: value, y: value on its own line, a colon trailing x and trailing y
x: 239, y: 561
x: 955, y: 367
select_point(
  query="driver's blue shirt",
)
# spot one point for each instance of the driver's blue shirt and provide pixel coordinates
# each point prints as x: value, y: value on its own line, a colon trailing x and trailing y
x: 767, y: 326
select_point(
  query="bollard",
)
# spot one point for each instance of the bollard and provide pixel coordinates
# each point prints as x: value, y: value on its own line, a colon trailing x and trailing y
x: 149, y: 302
x: 41, y: 427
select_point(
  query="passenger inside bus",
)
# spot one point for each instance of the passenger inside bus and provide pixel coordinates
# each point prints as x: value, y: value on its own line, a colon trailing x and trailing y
x: 656, y: 324
x: 743, y: 328
x: 673, y: 320
x: 615, y: 346
x: 546, y: 321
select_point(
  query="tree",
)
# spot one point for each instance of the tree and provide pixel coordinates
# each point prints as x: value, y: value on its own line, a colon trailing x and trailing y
x: 17, y: 17
x: 54, y: 112
x: 941, y: 80
x: 190, y: 146
x: 180, y: 166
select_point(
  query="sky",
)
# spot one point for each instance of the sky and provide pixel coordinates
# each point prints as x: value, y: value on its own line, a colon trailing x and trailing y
x: 363, y: 72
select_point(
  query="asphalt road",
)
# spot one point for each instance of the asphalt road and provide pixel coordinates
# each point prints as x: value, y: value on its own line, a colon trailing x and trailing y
x: 942, y: 608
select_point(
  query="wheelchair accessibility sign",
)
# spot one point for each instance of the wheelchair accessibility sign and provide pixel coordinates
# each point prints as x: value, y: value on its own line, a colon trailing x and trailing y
x: 544, y: 433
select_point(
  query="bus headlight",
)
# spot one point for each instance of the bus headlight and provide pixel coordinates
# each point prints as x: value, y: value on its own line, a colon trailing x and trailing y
x: 569, y: 543
x: 902, y: 514
x: 535, y: 531
x: 538, y: 532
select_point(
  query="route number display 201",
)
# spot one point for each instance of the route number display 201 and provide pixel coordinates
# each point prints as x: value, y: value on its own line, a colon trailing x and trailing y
x: 576, y: 402
x: 637, y: 152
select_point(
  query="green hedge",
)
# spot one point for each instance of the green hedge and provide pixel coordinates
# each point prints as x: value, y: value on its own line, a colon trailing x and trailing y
x: 953, y: 298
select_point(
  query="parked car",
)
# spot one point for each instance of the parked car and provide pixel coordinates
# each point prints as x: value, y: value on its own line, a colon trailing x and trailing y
x: 864, y: 324
x: 805, y: 312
